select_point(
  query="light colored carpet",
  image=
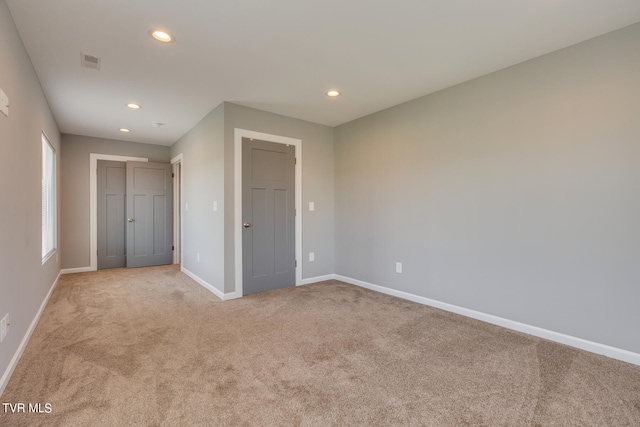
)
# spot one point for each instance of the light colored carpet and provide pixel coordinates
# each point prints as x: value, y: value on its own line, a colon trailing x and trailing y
x: 150, y: 347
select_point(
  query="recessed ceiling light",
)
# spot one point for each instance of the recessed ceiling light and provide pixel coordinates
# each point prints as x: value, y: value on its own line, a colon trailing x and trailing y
x: 125, y: 130
x: 162, y: 36
x: 333, y: 93
x: 134, y: 106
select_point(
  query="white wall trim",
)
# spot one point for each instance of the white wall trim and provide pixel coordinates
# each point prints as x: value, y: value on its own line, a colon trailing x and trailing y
x: 93, y: 200
x: 316, y: 279
x: 590, y: 346
x: 25, y: 340
x: 178, y: 158
x: 75, y: 270
x: 232, y: 295
x: 177, y: 253
x: 208, y: 286
x: 297, y: 143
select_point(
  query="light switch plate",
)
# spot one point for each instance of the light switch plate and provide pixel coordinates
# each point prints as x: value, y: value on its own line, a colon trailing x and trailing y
x: 3, y: 327
x: 4, y: 103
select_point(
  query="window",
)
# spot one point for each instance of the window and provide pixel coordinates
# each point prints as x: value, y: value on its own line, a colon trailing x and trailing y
x: 48, y: 199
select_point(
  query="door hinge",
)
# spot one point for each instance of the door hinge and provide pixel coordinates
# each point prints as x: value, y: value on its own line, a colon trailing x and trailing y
x: 295, y: 160
x: 296, y: 262
x: 173, y: 175
x: 173, y: 248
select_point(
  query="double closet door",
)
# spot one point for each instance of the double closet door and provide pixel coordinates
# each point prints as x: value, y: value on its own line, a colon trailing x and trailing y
x: 134, y: 214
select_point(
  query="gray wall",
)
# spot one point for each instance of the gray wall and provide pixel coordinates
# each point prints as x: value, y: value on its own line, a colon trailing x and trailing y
x: 208, y: 175
x: 317, y: 185
x: 24, y: 281
x: 75, y: 188
x: 203, y: 183
x: 516, y: 194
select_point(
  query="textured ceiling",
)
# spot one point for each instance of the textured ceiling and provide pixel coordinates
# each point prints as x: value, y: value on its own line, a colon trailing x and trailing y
x: 281, y: 55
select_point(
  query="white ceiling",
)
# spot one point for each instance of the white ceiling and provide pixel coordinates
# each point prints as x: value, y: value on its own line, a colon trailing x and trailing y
x: 281, y: 55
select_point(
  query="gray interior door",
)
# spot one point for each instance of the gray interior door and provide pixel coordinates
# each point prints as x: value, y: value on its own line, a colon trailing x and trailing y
x: 149, y: 214
x: 112, y: 184
x: 268, y: 207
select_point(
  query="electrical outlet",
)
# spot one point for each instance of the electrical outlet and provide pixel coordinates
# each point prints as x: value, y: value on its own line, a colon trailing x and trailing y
x: 3, y: 327
x: 398, y: 267
x: 198, y: 257
x: 312, y: 206
x: 215, y: 206
x: 312, y: 256
x: 186, y: 207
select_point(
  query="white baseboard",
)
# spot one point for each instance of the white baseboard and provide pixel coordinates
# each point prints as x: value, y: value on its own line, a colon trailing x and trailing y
x: 203, y: 283
x: 76, y: 270
x: 25, y: 340
x: 208, y: 286
x: 590, y: 346
x: 316, y: 279
x: 231, y: 295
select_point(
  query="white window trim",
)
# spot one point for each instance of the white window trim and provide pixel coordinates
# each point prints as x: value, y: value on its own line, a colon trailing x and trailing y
x: 54, y: 205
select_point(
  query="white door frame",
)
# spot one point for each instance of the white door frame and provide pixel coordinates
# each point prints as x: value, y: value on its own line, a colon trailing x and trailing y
x: 177, y: 211
x: 237, y: 231
x: 93, y: 200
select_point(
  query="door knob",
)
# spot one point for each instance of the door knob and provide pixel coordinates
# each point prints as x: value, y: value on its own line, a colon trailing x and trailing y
x: 130, y: 219
x: 246, y: 224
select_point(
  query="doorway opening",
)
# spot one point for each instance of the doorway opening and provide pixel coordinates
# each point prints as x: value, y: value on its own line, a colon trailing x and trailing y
x: 238, y: 221
x: 177, y: 164
x: 132, y: 188
x: 93, y: 201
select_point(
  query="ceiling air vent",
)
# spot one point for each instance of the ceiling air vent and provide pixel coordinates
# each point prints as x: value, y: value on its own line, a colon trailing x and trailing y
x: 89, y: 61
